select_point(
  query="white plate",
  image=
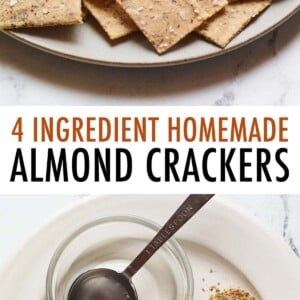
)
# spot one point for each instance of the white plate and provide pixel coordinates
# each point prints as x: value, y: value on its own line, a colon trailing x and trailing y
x: 239, y: 250
x: 88, y: 44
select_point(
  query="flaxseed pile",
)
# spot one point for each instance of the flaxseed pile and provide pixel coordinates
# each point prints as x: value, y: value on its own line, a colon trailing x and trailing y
x: 232, y: 294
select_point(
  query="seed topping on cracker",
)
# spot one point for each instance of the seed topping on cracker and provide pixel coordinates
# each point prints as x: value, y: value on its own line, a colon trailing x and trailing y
x: 111, y: 17
x: 39, y: 13
x: 224, y: 26
x: 166, y: 22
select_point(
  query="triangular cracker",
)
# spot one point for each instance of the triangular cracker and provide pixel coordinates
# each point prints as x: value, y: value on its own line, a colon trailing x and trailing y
x: 112, y: 18
x: 224, y: 26
x: 166, y: 22
x: 35, y: 13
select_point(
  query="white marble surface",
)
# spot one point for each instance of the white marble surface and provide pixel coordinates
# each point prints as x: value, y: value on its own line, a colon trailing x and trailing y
x: 264, y: 73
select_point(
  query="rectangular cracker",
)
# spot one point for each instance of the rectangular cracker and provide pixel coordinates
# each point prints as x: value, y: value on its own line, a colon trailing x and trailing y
x: 112, y: 18
x: 223, y: 27
x: 36, y: 13
x: 166, y: 22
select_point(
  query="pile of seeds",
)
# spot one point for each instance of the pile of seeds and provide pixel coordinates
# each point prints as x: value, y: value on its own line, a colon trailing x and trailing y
x: 232, y: 294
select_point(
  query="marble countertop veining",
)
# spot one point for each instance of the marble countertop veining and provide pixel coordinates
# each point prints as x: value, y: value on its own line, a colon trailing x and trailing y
x: 265, y: 72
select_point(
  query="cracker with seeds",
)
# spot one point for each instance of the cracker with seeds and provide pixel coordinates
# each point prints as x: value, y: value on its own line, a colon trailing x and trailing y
x: 112, y: 18
x: 166, y: 22
x: 223, y: 27
x: 38, y: 13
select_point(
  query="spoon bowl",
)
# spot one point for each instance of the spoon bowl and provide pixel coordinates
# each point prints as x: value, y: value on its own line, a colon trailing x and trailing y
x: 104, y: 284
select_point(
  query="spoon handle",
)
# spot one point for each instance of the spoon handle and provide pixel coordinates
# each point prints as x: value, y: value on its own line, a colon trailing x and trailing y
x: 187, y: 210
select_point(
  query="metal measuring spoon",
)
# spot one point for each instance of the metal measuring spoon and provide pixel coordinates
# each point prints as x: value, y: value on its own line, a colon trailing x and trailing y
x: 106, y: 284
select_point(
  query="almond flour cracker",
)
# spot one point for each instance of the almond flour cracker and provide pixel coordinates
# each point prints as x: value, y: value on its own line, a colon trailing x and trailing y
x: 223, y: 27
x: 112, y: 18
x: 36, y: 13
x: 166, y: 22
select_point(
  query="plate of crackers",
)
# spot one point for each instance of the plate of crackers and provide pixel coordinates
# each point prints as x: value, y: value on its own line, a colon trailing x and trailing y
x: 141, y: 33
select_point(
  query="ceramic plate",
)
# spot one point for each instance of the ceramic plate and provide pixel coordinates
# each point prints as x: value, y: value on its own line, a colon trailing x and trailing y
x: 88, y: 44
x: 239, y: 251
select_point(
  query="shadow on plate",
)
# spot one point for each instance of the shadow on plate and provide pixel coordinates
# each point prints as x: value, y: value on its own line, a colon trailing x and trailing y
x: 61, y: 33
